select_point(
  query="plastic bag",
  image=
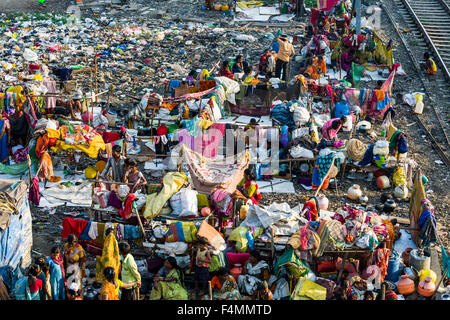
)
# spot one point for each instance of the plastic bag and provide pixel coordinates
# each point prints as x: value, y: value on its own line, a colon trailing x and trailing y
x: 30, y: 55
x: 188, y: 201
x: 399, y: 177
x: 300, y: 152
x: 175, y: 203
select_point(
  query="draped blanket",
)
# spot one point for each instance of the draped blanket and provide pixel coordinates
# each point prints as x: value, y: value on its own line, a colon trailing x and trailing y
x: 208, y: 174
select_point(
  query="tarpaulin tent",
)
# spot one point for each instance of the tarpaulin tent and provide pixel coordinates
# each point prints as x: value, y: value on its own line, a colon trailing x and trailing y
x: 16, y: 237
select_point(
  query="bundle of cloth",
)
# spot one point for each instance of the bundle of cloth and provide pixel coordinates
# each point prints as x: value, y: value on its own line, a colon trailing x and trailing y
x: 282, y: 114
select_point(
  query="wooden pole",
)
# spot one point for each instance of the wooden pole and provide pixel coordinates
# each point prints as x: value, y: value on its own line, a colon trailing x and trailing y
x: 210, y: 290
x: 140, y: 223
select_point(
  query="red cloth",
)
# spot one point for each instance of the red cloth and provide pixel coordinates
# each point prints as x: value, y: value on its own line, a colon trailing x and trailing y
x: 73, y: 226
x: 226, y: 73
x: 33, y: 195
x: 36, y: 286
x: 109, y: 136
x: 127, y: 209
x: 314, y: 16
x: 162, y: 130
x: 234, y: 258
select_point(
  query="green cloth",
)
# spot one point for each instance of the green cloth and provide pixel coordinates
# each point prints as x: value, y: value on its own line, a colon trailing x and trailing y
x: 130, y: 271
x: 393, y: 140
x: 21, y: 167
x: 295, y: 267
x: 357, y: 72
x: 202, y: 200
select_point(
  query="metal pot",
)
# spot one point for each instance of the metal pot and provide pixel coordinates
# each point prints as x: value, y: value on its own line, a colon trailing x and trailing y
x: 389, y: 205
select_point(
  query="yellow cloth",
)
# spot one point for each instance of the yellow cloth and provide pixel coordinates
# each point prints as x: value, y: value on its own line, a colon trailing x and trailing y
x: 110, y: 257
x: 391, y: 131
x: 92, y: 151
x: 249, y: 4
x: 239, y: 235
x: 172, y: 183
x: 382, y: 54
x: 205, y: 124
x: 310, y: 290
x: 110, y: 290
x: 52, y: 133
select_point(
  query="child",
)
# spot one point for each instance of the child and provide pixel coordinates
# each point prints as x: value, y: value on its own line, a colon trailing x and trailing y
x: 57, y: 274
x: 44, y: 276
x: 249, y: 188
x: 202, y: 260
x: 74, y: 292
x: 134, y: 176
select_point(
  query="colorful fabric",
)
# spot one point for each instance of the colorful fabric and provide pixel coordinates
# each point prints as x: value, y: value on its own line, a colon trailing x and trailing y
x: 73, y: 226
x: 227, y: 291
x: 182, y: 231
x: 382, y: 260
x: 33, y: 194
x: 110, y: 257
x: 22, y: 290
x: 321, y: 167
x: 127, y: 209
x: 170, y: 290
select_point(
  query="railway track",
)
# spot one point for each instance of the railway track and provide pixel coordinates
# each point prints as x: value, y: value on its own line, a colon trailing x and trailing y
x: 429, y: 22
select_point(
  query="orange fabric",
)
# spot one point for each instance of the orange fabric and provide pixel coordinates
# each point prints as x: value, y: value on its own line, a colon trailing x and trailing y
x: 380, y: 94
x: 313, y: 70
x: 168, y: 105
x: 391, y: 233
x: 41, y: 145
x: 216, y: 283
x: 47, y: 167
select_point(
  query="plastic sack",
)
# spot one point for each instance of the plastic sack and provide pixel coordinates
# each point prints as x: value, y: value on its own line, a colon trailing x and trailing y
x: 300, y: 114
x: 188, y: 201
x: 30, y: 55
x: 399, y: 177
x: 300, y: 132
x: 175, y: 203
x: 300, y: 152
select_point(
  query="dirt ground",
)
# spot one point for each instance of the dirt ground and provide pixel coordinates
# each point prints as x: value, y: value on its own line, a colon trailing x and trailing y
x: 47, y: 225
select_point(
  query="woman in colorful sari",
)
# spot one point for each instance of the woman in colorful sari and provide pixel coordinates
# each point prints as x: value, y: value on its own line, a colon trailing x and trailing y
x: 57, y: 274
x: 110, y: 256
x: 169, y: 287
x: 224, y: 287
x: 75, y: 260
x: 111, y: 285
x: 249, y: 188
x: 27, y: 288
x: 317, y: 68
